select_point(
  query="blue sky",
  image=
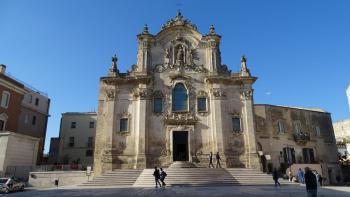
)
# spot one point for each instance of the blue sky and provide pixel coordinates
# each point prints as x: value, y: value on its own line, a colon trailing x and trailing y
x: 298, y: 49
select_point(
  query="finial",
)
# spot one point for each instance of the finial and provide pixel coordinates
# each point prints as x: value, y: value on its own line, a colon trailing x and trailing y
x: 244, y: 69
x: 114, y: 69
x: 243, y: 59
x: 145, y: 29
x: 178, y: 14
x: 212, y: 30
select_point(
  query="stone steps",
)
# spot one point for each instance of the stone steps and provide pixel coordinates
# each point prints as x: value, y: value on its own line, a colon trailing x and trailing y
x: 207, y: 177
x: 185, y: 177
x: 115, y: 178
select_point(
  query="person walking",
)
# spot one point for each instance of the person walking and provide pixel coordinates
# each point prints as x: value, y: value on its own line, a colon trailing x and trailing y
x: 290, y: 176
x: 218, y: 158
x: 319, y: 178
x: 156, y: 175
x: 275, y: 177
x: 301, y: 176
x: 163, y: 174
x: 211, y: 160
x: 311, y: 183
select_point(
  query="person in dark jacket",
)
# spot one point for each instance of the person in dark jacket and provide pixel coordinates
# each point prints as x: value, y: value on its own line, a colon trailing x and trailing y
x: 310, y: 182
x: 211, y: 160
x: 218, y: 158
x: 162, y: 176
x: 275, y: 177
x: 156, y: 175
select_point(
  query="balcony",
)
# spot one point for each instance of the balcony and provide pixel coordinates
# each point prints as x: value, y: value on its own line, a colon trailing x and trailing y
x: 301, y: 137
x: 183, y: 118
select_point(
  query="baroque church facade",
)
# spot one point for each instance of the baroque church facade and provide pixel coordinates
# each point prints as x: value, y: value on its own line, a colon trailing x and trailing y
x: 177, y: 103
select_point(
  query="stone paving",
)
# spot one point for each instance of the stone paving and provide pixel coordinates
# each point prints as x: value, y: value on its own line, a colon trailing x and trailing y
x: 295, y: 191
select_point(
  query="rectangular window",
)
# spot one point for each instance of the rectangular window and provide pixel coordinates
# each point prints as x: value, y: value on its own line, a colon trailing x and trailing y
x: 89, y: 153
x: 34, y: 120
x: 123, y: 125
x: 202, y: 104
x: 157, y: 105
x: 91, y: 124
x: 73, y: 125
x: 71, y: 142
x: 280, y: 125
x: 5, y: 99
x: 30, y: 98
x: 2, y: 125
x: 26, y: 118
x: 36, y: 101
x: 318, y: 131
x: 90, y: 142
x: 236, y: 124
x: 308, y: 155
x: 297, y: 127
x: 289, y: 155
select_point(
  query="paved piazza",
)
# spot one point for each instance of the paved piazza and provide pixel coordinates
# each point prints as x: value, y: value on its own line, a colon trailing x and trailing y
x: 295, y: 191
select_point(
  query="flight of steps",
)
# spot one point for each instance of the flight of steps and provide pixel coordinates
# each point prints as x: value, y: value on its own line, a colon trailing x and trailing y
x: 207, y: 177
x: 120, y: 177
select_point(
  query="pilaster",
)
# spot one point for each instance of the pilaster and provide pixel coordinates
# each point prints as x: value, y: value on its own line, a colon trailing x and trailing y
x: 249, y: 128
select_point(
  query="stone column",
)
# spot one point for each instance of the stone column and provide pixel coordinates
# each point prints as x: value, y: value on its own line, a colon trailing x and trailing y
x: 217, y: 123
x: 249, y: 128
x: 103, y: 156
x: 141, y: 95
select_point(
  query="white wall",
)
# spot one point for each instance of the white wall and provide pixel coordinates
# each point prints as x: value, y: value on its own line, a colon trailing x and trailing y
x: 17, y: 150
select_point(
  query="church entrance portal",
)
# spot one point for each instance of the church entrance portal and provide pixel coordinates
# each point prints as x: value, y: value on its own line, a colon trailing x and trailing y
x: 180, y: 146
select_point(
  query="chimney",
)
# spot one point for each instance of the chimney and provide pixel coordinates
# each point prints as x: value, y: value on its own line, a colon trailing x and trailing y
x: 2, y: 68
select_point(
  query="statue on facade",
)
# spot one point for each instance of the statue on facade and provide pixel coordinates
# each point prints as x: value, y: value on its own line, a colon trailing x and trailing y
x: 180, y: 55
x: 166, y: 56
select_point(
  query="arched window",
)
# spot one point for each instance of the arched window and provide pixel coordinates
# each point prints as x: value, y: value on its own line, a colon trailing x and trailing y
x: 179, y: 98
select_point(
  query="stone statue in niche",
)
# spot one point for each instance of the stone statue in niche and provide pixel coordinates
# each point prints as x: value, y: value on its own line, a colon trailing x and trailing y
x: 166, y: 56
x: 180, y: 55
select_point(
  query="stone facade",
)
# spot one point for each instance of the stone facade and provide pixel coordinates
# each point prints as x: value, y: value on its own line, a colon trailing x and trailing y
x: 287, y: 136
x: 342, y: 130
x: 34, y: 117
x: 76, y: 139
x: 178, y: 54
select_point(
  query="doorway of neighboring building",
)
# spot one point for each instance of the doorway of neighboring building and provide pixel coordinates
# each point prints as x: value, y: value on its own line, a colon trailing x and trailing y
x: 180, y: 146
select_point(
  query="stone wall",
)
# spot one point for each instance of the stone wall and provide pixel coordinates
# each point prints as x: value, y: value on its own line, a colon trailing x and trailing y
x: 65, y: 178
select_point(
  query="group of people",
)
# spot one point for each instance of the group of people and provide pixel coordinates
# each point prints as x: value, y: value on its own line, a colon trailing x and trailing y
x: 217, y: 157
x: 301, y: 177
x: 159, y: 177
x: 309, y: 178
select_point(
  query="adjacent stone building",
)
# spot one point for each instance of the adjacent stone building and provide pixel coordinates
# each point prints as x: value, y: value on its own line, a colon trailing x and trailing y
x: 20, y: 148
x: 77, y: 138
x: 290, y: 136
x: 54, y: 149
x: 34, y: 117
x: 342, y: 135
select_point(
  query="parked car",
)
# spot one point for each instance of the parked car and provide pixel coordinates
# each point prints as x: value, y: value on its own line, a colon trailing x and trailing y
x: 11, y: 184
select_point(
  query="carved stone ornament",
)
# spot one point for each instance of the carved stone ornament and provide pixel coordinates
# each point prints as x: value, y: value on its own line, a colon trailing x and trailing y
x: 202, y: 94
x: 218, y: 93
x: 180, y: 55
x: 247, y: 94
x: 107, y: 156
x: 110, y: 94
x: 158, y: 94
x: 179, y: 20
x: 142, y: 93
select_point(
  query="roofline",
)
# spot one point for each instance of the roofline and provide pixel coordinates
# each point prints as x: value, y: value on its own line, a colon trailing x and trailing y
x: 305, y: 109
x: 79, y: 113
